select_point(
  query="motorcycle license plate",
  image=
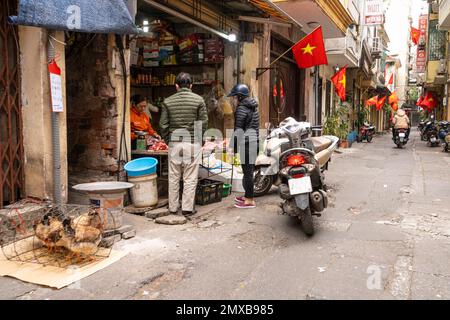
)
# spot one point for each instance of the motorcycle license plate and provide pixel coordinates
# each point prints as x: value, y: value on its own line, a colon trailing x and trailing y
x: 401, y: 135
x: 300, y: 186
x: 433, y: 140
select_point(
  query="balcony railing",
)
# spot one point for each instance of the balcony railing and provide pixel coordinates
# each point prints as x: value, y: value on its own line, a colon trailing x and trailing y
x: 353, y: 9
x: 343, y: 50
x: 376, y: 47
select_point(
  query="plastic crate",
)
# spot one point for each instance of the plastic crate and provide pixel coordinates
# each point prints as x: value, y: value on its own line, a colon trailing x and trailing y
x: 208, y: 191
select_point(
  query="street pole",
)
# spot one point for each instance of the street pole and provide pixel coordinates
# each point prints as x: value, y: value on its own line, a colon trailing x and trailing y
x: 316, y: 95
x: 55, y: 132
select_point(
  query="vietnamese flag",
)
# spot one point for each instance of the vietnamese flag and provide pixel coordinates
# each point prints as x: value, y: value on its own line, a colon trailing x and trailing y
x: 419, y: 101
x: 372, y: 101
x: 310, y: 51
x: 415, y: 35
x: 429, y: 102
x: 340, y: 83
x: 380, y: 103
x: 393, y: 98
x: 394, y: 106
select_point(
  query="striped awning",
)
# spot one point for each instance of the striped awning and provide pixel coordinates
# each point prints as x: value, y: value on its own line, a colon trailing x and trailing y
x: 272, y: 9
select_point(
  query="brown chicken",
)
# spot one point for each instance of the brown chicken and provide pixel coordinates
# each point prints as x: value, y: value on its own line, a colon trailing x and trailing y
x: 82, y: 235
x: 48, y: 230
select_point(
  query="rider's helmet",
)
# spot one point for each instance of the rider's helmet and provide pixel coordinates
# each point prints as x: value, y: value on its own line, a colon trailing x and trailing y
x: 240, y: 90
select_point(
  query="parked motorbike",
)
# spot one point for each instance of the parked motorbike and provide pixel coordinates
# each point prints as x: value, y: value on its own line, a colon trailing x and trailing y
x: 400, y: 137
x: 421, y: 125
x: 267, y: 163
x: 446, y: 143
x: 366, y: 132
x: 297, y: 163
x: 424, y: 132
x: 432, y: 135
x: 444, y: 132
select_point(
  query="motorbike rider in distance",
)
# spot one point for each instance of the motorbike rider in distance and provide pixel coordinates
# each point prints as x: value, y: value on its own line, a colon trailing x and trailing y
x: 401, y: 121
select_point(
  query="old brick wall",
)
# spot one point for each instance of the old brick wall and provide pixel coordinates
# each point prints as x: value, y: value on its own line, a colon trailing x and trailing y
x: 92, y: 108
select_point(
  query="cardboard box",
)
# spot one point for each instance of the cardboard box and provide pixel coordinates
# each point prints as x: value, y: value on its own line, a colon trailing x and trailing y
x: 151, y: 63
x: 151, y: 54
x: 150, y: 45
x: 171, y: 60
x: 167, y: 48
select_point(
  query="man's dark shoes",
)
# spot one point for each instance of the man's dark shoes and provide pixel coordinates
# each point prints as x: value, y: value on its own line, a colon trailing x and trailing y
x: 189, y: 213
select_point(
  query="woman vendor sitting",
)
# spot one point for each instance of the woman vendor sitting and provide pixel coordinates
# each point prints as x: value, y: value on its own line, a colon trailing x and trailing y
x: 140, y: 121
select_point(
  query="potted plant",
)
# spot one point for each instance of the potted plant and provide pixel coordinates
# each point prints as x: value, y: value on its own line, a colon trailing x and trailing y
x: 336, y: 125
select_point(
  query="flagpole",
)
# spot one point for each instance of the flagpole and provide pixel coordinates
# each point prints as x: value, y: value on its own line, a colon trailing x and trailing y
x: 285, y: 53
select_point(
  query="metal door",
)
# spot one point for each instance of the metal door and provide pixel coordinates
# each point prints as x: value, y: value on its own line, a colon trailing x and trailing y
x: 285, y: 95
x: 11, y: 147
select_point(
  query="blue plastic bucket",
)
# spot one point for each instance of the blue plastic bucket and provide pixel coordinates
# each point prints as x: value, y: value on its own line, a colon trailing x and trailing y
x: 141, y: 167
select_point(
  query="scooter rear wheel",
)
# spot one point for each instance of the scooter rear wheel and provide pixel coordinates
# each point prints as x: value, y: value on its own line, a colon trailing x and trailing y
x: 307, y: 222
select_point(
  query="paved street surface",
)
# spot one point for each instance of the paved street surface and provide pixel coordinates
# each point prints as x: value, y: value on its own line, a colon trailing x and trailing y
x: 386, y: 236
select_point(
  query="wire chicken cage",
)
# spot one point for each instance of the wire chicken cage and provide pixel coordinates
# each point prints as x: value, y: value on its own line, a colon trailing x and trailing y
x: 56, y: 235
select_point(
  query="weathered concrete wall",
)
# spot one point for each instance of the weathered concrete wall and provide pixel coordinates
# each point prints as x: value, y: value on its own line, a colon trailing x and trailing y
x: 249, y: 55
x: 36, y: 111
x: 251, y: 61
x: 309, y: 95
x: 264, y: 80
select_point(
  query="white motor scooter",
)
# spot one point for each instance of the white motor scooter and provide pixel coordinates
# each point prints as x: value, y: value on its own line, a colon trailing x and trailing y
x: 267, y: 164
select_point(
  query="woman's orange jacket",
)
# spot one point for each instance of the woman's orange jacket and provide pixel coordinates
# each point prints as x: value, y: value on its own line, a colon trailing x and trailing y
x: 140, y: 122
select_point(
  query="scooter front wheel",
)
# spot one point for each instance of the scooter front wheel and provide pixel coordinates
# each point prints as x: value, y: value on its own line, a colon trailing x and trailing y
x: 262, y: 184
x: 369, y: 138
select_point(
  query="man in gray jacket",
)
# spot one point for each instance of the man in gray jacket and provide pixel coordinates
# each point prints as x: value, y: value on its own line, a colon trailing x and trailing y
x: 184, y: 120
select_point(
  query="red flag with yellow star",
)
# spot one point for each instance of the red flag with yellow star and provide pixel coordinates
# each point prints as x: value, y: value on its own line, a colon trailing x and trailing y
x: 393, y: 98
x: 310, y: 51
x: 340, y: 83
x: 429, y: 102
x: 380, y: 103
x: 415, y: 35
x: 372, y: 101
x: 394, y: 106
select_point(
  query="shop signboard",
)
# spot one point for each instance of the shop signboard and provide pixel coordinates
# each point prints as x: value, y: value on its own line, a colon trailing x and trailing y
x: 422, y: 50
x: 374, y: 14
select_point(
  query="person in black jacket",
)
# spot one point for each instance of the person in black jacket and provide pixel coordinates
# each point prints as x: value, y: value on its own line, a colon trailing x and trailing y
x: 246, y: 140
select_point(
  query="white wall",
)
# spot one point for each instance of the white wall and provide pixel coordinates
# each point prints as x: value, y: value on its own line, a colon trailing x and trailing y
x: 397, y: 27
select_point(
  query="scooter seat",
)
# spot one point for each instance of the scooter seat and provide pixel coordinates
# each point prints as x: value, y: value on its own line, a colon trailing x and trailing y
x: 320, y: 144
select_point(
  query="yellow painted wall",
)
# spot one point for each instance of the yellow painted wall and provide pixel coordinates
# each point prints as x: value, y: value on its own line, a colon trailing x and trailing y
x: 36, y: 112
x: 432, y: 69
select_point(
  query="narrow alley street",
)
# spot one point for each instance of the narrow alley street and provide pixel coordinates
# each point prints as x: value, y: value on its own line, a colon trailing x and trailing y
x: 385, y: 236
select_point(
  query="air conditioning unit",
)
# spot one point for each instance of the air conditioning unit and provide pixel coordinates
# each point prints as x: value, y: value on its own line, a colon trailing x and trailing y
x: 377, y: 48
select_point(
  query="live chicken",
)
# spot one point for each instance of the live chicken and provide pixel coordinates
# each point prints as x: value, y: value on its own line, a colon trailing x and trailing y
x: 48, y: 230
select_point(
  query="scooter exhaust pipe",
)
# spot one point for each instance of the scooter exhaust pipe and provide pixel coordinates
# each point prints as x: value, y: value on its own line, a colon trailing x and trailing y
x: 319, y: 200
